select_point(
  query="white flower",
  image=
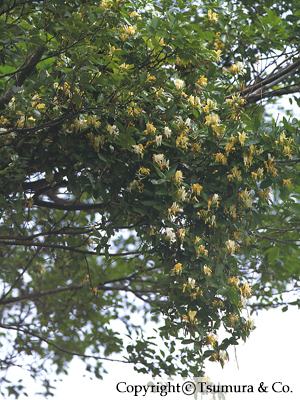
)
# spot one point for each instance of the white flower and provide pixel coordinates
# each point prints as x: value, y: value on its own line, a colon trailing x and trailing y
x: 223, y: 355
x: 251, y: 323
x: 179, y: 84
x: 188, y: 122
x: 112, y: 130
x: 215, y: 199
x: 138, y: 149
x: 191, y: 283
x: 243, y: 302
x: 167, y: 132
x: 161, y: 161
x: 158, y: 140
x: 170, y: 235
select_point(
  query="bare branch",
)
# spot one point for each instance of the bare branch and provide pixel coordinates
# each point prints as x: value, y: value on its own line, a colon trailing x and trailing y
x: 20, y: 79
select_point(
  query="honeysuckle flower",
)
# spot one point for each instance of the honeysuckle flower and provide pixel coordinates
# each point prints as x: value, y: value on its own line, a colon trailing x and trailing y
x: 246, y: 290
x: 233, y: 281
x: 192, y: 315
x: 211, y: 338
x: 150, y: 128
x: 174, y: 209
x: 251, y: 323
x: 202, y: 250
x: 178, y: 177
x: 177, y: 269
x: 223, y: 355
x: 138, y: 149
x: 143, y: 172
x: 243, y: 302
x: 230, y: 246
x: 197, y: 239
x: 191, y: 282
x: 158, y: 140
x: 237, y: 68
x: 212, y: 16
x: 242, y: 137
x: 130, y: 30
x: 167, y: 132
x: 215, y: 199
x: 170, y: 234
x: 282, y: 138
x: 182, y: 141
x: 182, y: 194
x: 181, y: 233
x: 161, y: 161
x: 135, y: 14
x: 207, y: 270
x: 112, y: 130
x: 202, y: 81
x: 178, y: 84
x: 196, y: 188
x: 286, y: 182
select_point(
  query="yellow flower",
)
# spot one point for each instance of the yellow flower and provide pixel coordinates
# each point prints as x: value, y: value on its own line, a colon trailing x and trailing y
x: 124, y: 66
x: 177, y: 269
x: 150, y: 78
x: 192, y: 316
x: 181, y: 141
x: 242, y: 137
x: 246, y: 290
x: 135, y: 14
x: 202, y: 250
x: 230, y: 246
x: 181, y: 234
x: 196, y: 188
x: 178, y: 177
x: 131, y: 29
x: 150, y: 128
x: 286, y: 182
x: 237, y: 68
x: 233, y: 281
x: 197, y: 240
x: 207, y: 270
x: 282, y: 138
x: 202, y: 81
x: 218, y: 54
x: 212, y: 16
x: 211, y: 339
x: 287, y: 151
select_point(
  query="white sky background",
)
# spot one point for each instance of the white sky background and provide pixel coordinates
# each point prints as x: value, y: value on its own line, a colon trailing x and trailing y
x: 271, y: 354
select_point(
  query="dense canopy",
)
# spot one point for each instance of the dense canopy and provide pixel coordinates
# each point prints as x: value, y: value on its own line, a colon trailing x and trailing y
x: 142, y: 176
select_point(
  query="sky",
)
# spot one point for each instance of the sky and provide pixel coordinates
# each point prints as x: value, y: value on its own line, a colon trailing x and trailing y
x: 270, y: 355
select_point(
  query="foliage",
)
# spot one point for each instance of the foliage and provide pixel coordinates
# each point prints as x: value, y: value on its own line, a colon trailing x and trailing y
x: 140, y: 176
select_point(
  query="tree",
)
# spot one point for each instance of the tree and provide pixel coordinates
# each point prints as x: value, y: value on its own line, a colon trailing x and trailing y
x: 138, y: 162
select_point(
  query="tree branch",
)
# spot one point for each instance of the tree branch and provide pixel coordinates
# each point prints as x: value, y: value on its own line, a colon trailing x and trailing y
x: 28, y: 332
x: 20, y: 79
x: 68, y: 248
x: 43, y: 293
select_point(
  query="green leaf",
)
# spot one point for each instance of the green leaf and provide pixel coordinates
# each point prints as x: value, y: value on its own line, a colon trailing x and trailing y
x: 171, y: 111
